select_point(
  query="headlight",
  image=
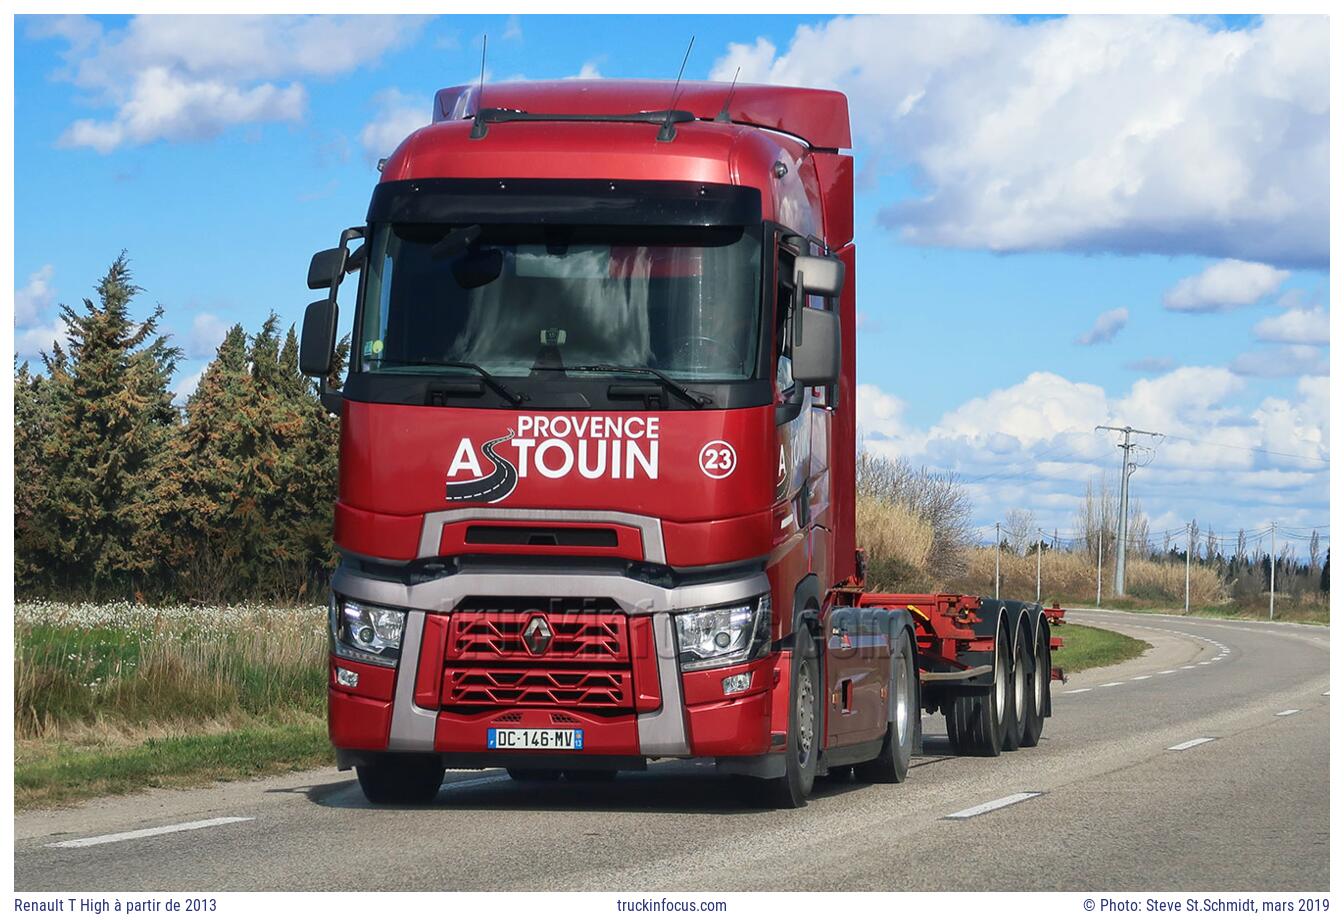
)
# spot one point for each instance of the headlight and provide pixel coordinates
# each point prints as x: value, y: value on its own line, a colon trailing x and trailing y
x: 722, y: 636
x: 365, y: 632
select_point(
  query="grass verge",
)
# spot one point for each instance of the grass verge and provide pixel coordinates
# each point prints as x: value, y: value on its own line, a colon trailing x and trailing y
x: 1286, y: 610
x: 57, y: 773
x: 1088, y: 647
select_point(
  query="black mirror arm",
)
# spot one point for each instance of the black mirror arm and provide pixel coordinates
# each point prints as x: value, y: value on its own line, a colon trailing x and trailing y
x: 791, y: 407
x: 331, y: 400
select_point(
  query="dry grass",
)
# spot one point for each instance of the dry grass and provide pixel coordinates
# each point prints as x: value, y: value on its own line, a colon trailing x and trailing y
x: 899, y: 544
x: 1073, y: 577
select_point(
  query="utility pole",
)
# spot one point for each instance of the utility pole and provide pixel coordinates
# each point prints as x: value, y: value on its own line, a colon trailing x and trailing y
x: 1040, y: 538
x: 1189, y: 535
x: 997, y: 544
x: 1101, y: 541
x: 1126, y: 468
x: 1273, y: 564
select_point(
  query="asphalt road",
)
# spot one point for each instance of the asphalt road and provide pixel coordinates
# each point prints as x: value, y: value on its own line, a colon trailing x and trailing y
x: 1118, y: 809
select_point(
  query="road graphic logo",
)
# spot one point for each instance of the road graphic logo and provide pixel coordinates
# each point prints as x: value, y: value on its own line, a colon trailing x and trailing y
x: 492, y: 488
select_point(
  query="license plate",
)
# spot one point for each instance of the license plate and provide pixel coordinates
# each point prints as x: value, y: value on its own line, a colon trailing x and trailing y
x: 535, y: 739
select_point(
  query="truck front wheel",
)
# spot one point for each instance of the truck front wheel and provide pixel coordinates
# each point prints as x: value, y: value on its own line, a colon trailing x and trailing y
x: 401, y: 779
x: 893, y: 762
x: 805, y: 692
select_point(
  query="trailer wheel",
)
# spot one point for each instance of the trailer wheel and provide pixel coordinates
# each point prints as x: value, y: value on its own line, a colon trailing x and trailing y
x: 805, y: 727
x: 1015, y: 714
x: 401, y: 779
x: 1039, y: 687
x: 975, y: 723
x: 893, y: 763
x: 533, y: 775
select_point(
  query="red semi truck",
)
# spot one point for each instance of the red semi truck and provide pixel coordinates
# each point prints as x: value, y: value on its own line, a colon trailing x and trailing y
x: 597, y: 462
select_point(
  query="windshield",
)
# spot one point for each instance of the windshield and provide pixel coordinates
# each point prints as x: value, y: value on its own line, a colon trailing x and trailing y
x: 511, y: 299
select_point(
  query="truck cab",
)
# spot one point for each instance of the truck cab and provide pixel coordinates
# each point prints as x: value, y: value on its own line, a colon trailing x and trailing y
x: 596, y: 496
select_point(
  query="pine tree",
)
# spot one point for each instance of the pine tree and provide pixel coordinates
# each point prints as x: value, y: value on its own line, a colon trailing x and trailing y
x: 111, y: 418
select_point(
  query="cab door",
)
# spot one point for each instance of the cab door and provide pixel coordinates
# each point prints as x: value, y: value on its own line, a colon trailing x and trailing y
x: 858, y: 671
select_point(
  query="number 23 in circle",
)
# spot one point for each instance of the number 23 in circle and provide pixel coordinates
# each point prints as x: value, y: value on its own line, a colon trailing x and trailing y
x: 717, y: 459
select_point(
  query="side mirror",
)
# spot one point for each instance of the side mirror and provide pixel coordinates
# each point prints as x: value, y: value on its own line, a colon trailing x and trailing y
x: 326, y: 269
x: 819, y: 275
x: 318, y: 341
x: 816, y: 353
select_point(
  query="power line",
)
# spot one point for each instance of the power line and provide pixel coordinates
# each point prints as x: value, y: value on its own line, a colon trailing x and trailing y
x: 1258, y: 450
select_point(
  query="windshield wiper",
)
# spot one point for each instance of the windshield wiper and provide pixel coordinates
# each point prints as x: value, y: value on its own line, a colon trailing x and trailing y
x: 486, y: 377
x: 693, y: 399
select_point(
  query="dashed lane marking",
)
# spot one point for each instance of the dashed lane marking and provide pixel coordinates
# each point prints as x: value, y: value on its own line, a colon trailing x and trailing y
x: 1187, y: 745
x: 1172, y: 671
x: 995, y: 805
x: 1114, y: 683
x: 147, y: 832
x: 1080, y: 690
x: 1142, y: 677
x: 1288, y: 712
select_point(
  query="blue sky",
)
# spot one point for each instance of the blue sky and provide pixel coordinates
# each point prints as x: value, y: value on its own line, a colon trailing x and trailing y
x: 1019, y: 189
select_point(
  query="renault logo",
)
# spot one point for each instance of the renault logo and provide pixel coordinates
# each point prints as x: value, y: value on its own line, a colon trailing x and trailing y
x: 537, y: 635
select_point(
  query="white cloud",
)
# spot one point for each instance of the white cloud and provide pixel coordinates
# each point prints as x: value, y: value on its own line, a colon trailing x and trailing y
x: 33, y: 299
x: 1032, y: 445
x: 1106, y: 327
x: 1224, y: 285
x: 1106, y: 133
x: 1296, y: 327
x: 588, y: 71
x: 1281, y: 361
x: 186, y: 386
x: 398, y: 114
x: 33, y: 341
x: 176, y: 78
x: 207, y: 331
x: 513, y: 29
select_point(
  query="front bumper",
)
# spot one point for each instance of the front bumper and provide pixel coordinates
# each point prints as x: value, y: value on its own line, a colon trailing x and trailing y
x: 692, y: 719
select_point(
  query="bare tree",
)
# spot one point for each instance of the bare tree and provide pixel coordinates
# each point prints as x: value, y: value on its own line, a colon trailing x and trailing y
x: 1194, y: 539
x: 938, y: 498
x: 1020, y: 530
x: 1314, y: 551
x: 1137, y: 532
x: 1210, y: 545
x: 1241, y: 544
x: 1096, y: 518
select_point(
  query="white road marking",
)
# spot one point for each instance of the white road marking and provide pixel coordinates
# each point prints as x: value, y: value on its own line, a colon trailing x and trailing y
x: 1326, y: 693
x: 1187, y: 667
x: 1142, y: 677
x: 1186, y: 745
x: 1172, y: 671
x: 1080, y: 690
x: 992, y: 806
x: 1114, y: 683
x: 147, y: 832
x: 1288, y: 712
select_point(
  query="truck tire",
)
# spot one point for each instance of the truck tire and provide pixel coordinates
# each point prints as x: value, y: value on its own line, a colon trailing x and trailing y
x: 1038, y: 687
x: 893, y: 763
x: 1015, y: 714
x: 401, y: 779
x: 805, y: 727
x: 532, y: 775
x: 975, y: 723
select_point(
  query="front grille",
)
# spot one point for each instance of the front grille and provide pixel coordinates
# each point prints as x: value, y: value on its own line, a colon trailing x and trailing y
x: 498, y: 686
x: 587, y: 637
x: 585, y: 666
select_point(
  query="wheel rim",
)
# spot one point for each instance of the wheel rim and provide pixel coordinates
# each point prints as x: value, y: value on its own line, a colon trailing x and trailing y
x: 806, y: 713
x: 1019, y: 685
x: 1000, y: 679
x: 902, y: 701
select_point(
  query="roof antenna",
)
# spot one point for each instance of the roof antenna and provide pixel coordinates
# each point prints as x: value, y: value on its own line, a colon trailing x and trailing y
x: 478, y: 126
x: 723, y: 112
x: 667, y: 132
